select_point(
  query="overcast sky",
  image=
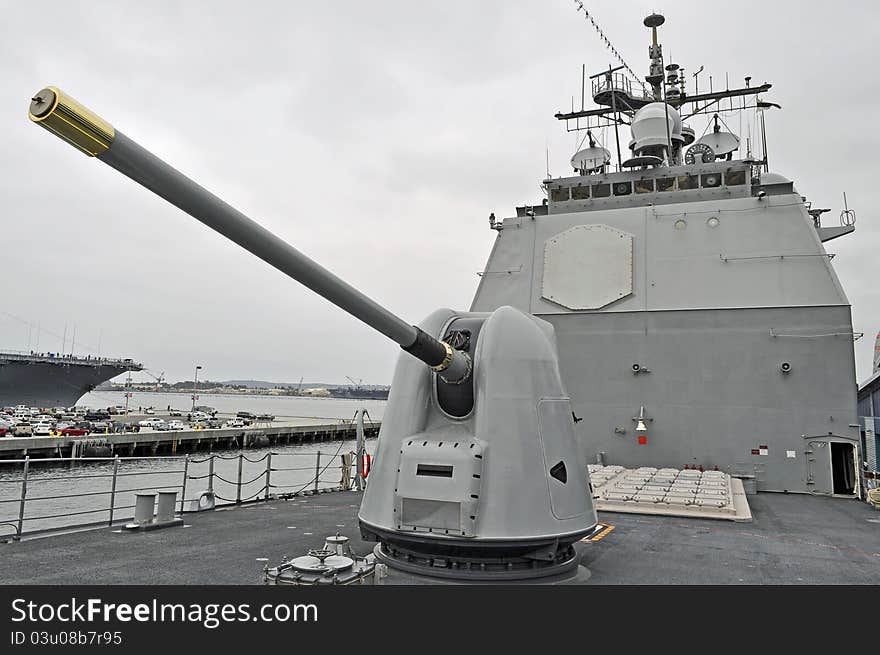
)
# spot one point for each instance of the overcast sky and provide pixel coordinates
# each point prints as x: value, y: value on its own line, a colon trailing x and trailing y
x: 374, y: 136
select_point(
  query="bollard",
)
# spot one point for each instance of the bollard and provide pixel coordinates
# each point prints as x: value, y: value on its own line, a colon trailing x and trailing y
x: 143, y: 512
x: 165, y: 508
x: 143, y: 508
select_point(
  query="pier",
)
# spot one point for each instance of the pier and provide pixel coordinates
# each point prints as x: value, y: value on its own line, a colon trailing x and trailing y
x: 178, y: 442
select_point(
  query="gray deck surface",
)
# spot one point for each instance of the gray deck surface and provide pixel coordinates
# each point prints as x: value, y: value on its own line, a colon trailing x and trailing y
x: 794, y: 539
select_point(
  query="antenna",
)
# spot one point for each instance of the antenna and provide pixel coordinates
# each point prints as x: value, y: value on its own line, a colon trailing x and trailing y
x: 696, y: 77
x: 847, y: 216
x: 610, y: 77
x: 655, y: 51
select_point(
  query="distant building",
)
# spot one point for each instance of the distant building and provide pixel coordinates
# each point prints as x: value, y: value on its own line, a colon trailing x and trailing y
x: 869, y: 417
x: 316, y: 392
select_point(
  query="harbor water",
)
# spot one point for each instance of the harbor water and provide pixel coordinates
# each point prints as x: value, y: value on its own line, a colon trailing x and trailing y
x: 53, y: 487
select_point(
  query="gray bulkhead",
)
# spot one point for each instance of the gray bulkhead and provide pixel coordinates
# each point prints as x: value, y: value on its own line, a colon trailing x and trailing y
x: 717, y: 311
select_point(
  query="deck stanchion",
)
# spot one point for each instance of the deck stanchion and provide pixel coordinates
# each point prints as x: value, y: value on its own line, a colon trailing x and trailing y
x: 359, y: 472
x: 238, y: 486
x: 317, y: 470
x: 183, y: 484
x: 211, y: 474
x: 268, y: 474
x: 24, y: 481
x: 113, y: 488
x: 345, y: 481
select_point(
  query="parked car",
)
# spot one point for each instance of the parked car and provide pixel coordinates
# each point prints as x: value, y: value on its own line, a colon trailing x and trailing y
x: 249, y: 415
x: 175, y: 412
x: 97, y: 415
x: 71, y: 431
x: 100, y: 426
x: 265, y: 417
x: 23, y: 430
x: 42, y: 430
x: 4, y: 431
x: 177, y: 425
x: 234, y: 423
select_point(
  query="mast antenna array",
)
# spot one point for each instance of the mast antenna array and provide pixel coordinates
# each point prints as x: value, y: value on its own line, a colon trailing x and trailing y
x: 608, y: 44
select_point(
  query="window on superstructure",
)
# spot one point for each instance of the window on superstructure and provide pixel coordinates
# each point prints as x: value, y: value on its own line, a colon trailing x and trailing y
x: 665, y: 184
x: 735, y: 178
x: 688, y: 182
x: 644, y: 186
x: 601, y: 190
x: 580, y: 192
x: 622, y: 188
x: 559, y: 194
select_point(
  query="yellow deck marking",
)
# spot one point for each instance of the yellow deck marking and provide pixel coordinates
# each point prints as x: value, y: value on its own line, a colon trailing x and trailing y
x: 606, y: 529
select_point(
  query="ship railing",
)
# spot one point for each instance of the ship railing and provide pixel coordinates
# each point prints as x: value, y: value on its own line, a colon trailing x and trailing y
x: 52, y: 495
x: 616, y: 81
x: 54, y: 358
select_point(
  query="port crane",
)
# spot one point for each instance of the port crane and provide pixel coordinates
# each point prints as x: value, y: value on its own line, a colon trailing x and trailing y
x: 158, y: 378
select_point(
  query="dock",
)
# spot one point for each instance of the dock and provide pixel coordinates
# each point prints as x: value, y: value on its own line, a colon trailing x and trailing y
x: 131, y: 444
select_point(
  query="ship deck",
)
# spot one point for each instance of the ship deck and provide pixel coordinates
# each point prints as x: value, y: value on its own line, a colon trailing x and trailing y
x: 793, y: 539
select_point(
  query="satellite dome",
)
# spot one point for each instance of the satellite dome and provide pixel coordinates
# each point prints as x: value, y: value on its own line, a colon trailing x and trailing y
x: 653, y: 126
x: 676, y: 127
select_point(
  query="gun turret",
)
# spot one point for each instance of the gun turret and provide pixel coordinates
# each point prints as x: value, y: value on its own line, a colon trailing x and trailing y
x: 475, y: 477
x: 89, y: 133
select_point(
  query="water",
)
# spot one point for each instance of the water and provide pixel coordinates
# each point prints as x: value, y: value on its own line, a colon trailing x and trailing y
x: 59, y: 482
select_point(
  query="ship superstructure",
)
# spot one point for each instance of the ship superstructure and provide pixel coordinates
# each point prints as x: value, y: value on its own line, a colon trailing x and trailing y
x: 53, y: 380
x: 699, y: 320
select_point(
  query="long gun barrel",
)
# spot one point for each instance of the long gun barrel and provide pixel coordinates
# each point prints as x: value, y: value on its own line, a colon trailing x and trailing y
x: 92, y: 135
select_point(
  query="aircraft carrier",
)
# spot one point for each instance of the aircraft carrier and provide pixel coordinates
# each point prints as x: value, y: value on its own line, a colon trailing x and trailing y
x: 54, y: 380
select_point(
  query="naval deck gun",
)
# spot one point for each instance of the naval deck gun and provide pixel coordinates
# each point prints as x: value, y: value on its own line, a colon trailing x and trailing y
x: 477, y: 473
